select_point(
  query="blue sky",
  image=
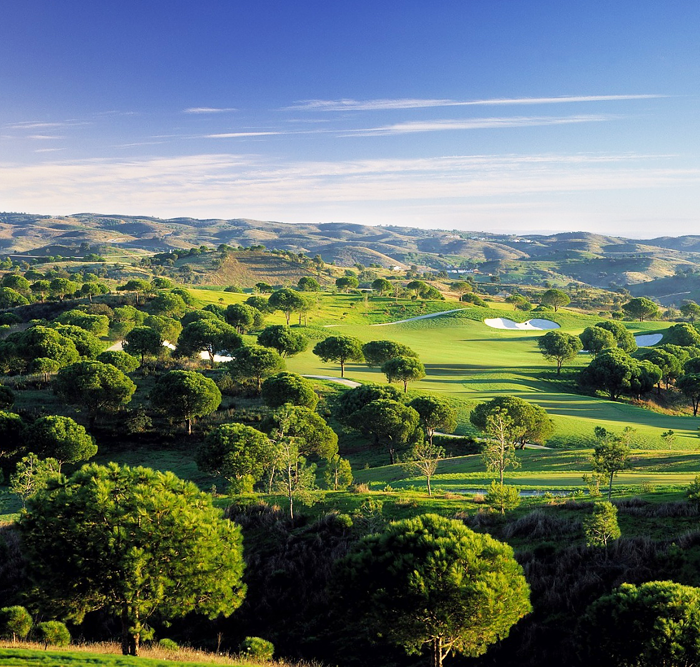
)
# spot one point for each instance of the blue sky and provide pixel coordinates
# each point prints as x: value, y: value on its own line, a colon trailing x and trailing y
x: 495, y: 115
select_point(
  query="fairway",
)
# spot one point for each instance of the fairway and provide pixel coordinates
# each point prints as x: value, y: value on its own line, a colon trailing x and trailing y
x: 468, y: 362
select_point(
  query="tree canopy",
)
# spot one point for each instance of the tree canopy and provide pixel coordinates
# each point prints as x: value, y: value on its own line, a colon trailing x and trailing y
x: 134, y: 542
x: 555, y: 298
x: 435, y: 413
x: 403, y: 369
x: 655, y: 623
x: 210, y: 336
x: 340, y: 349
x: 94, y: 386
x: 185, y: 395
x: 559, y: 347
x: 530, y: 421
x: 596, y: 339
x: 377, y: 352
x: 255, y: 362
x: 432, y: 583
x: 390, y: 423
x: 641, y: 309
x: 60, y: 438
x: 284, y: 339
x: 288, y: 388
x: 286, y: 300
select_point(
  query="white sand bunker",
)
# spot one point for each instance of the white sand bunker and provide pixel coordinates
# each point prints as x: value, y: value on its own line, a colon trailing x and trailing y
x: 647, y: 340
x: 530, y: 325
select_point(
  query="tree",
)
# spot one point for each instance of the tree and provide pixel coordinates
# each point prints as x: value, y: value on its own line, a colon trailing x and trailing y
x: 308, y: 284
x: 255, y: 362
x: 95, y: 386
x: 382, y: 286
x: 283, y: 339
x: 691, y: 310
x: 240, y: 316
x: 669, y: 365
x: 462, y: 287
x: 61, y: 287
x: 88, y: 346
x: 596, y: 339
x: 53, y: 633
x: 610, y: 455
x: 310, y: 431
x: 286, y: 300
x: 138, y: 287
x: 97, y: 325
x: 600, y: 526
x: 350, y: 402
x: 211, y: 336
x: 7, y: 397
x: 424, y: 459
x: 134, y: 542
x: 31, y: 475
x: 185, y: 395
x: 16, y: 282
x: 498, y: 451
x: 690, y: 386
x: 559, y: 347
x: 555, y: 298
x: 239, y: 453
x: 435, y: 413
x: 431, y: 582
x: 119, y: 359
x: 623, y: 336
x: 389, y: 421
x: 40, y: 341
x: 502, y: 497
x: 12, y: 433
x: 654, y: 624
x: 531, y: 423
x: 143, y: 341
x: 41, y: 288
x: 403, y: 369
x: 168, y: 305
x: 612, y: 371
x: 347, y: 283
x: 684, y: 335
x: 377, y: 352
x: 338, y: 473
x: 340, y: 349
x: 641, y: 309
x: 61, y: 438
x: 10, y: 298
x: 15, y: 622
x: 289, y: 388
x: 668, y: 438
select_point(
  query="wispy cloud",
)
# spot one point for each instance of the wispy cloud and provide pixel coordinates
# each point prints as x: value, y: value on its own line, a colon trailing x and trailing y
x: 235, y: 135
x: 210, y: 110
x: 42, y: 137
x: 48, y: 150
x: 417, y: 103
x: 474, y: 124
x: 227, y: 185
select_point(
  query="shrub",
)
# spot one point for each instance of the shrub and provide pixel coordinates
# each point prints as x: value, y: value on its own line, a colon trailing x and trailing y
x: 53, y: 633
x: 168, y: 644
x: 258, y: 648
x: 693, y: 491
x: 15, y: 622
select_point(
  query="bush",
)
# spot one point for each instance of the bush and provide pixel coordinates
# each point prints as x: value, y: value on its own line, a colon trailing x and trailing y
x: 258, y: 648
x: 53, y: 633
x: 168, y: 644
x: 15, y: 622
x: 693, y: 491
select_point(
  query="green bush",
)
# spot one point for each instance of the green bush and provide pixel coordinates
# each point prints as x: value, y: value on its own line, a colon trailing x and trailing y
x: 168, y: 644
x: 258, y: 648
x: 53, y: 633
x: 693, y: 491
x: 14, y: 622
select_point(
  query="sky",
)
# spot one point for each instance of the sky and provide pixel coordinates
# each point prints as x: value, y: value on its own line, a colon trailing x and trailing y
x: 519, y: 116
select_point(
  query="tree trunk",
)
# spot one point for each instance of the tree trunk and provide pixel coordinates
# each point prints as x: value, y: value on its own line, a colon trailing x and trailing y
x: 436, y: 655
x: 287, y: 315
x: 405, y: 386
x: 391, y: 455
x: 427, y: 479
x: 342, y: 368
x: 610, y: 486
x: 126, y: 637
x: 559, y: 367
x: 188, y: 421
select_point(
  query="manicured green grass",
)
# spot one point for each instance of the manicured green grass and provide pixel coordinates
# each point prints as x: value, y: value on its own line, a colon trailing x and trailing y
x: 545, y: 469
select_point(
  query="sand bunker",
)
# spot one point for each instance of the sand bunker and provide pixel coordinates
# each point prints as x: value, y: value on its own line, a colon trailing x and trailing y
x: 530, y: 325
x: 647, y: 340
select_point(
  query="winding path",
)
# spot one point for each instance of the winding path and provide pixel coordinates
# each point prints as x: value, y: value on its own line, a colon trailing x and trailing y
x: 419, y: 317
x: 330, y: 378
